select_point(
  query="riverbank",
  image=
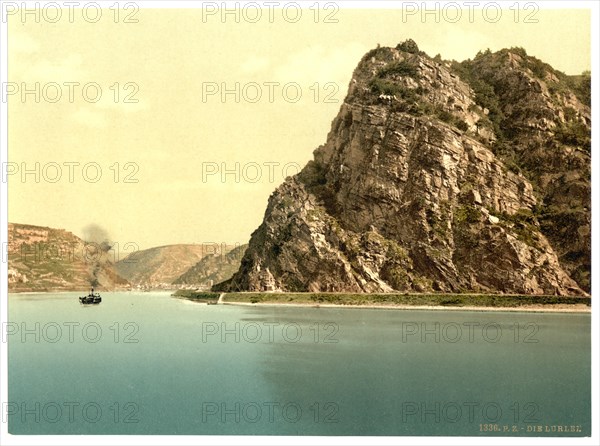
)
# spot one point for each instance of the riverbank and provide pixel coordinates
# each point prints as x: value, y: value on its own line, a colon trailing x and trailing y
x: 527, y: 308
x: 197, y: 296
x: 464, y: 302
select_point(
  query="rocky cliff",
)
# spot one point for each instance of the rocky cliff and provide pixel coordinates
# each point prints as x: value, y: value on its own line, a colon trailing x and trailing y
x: 48, y: 259
x: 438, y: 176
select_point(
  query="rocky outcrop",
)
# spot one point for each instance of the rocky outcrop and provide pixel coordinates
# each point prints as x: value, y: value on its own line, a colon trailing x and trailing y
x: 408, y: 194
x: 545, y: 119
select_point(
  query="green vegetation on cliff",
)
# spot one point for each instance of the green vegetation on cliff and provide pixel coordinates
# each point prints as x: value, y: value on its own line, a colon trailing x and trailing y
x: 438, y: 176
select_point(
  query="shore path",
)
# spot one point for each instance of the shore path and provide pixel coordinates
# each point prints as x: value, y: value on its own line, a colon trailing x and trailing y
x: 220, y: 301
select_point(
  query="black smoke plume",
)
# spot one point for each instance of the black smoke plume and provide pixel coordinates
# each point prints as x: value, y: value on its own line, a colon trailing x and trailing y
x: 98, y: 238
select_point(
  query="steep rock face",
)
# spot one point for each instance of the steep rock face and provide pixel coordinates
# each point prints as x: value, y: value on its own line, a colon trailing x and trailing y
x: 405, y: 195
x: 545, y: 119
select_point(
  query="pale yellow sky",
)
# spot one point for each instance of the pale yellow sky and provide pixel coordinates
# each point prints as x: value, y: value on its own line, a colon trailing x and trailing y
x: 171, y: 56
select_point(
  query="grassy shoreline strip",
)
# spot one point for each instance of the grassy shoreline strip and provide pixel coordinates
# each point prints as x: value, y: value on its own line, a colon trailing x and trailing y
x: 197, y: 296
x: 449, y: 300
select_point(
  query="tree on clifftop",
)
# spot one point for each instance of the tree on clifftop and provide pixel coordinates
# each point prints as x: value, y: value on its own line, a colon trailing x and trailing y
x: 409, y: 46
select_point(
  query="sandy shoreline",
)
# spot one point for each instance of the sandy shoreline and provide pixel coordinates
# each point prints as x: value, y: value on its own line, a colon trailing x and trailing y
x: 523, y: 309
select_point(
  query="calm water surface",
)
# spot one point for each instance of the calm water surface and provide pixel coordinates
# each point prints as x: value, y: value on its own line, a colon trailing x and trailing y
x: 146, y: 363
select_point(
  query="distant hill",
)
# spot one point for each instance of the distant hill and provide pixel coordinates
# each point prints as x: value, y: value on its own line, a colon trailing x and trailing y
x: 47, y: 259
x: 213, y: 268
x: 163, y: 264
